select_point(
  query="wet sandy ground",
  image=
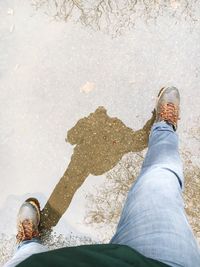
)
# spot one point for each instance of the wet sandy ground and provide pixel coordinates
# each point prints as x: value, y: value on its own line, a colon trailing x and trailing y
x: 52, y: 74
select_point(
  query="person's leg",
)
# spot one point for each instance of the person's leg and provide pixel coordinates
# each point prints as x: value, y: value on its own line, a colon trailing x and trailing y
x: 25, y: 250
x: 153, y: 220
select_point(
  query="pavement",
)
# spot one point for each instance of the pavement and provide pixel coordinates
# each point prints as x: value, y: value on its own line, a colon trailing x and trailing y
x: 53, y: 73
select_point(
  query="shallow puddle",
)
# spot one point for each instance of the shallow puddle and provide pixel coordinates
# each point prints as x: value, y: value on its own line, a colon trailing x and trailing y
x: 91, y: 69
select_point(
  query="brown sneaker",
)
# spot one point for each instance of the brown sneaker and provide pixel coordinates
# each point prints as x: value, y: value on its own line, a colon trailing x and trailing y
x: 168, y: 106
x: 28, y: 220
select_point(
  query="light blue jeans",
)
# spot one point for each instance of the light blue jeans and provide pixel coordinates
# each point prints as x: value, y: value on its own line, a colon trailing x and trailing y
x: 153, y: 220
x: 25, y: 250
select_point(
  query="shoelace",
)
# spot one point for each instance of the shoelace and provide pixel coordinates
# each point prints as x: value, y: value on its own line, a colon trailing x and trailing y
x: 170, y: 113
x: 26, y: 231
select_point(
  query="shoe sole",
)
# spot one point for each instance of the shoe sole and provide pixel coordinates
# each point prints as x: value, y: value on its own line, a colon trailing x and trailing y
x: 160, y: 94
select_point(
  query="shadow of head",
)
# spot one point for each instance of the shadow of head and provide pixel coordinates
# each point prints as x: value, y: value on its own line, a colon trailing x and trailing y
x: 101, y: 141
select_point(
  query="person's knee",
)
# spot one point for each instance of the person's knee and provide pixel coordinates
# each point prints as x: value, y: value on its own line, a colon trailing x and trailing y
x: 158, y: 186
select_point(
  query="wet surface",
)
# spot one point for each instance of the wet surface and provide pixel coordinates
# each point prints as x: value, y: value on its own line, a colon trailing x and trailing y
x: 59, y: 63
x: 100, y: 142
x: 117, y: 17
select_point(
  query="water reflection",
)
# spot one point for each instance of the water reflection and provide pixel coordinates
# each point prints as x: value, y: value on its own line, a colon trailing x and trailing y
x: 101, y: 142
x: 115, y: 16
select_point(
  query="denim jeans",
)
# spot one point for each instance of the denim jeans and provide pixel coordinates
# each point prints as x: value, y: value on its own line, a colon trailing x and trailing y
x: 25, y: 250
x: 153, y: 220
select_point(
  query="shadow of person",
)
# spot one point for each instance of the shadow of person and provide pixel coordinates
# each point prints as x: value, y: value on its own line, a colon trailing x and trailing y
x: 101, y: 141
